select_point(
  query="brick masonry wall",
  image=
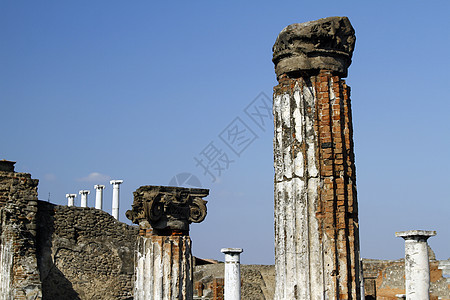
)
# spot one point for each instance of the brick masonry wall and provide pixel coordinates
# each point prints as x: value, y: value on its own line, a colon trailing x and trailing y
x: 84, y: 253
x: 18, y: 206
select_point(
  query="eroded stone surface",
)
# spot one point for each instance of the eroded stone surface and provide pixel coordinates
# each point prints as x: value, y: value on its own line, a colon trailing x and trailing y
x: 164, y: 268
x: 19, y: 277
x: 325, y: 44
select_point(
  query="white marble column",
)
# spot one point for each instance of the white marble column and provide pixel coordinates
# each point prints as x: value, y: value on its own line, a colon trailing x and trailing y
x: 417, y: 268
x: 232, y: 289
x: 70, y: 199
x: 84, y: 194
x: 99, y: 196
x: 115, y: 200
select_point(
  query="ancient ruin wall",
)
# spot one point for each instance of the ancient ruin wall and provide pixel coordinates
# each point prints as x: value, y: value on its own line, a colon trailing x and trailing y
x: 19, y: 278
x: 84, y: 253
x: 383, y: 279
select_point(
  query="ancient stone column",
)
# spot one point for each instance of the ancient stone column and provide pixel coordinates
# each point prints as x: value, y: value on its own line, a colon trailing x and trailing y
x: 232, y: 273
x: 164, y: 262
x: 417, y: 268
x: 70, y: 199
x: 84, y: 195
x: 115, y: 200
x: 99, y: 196
x: 316, y: 212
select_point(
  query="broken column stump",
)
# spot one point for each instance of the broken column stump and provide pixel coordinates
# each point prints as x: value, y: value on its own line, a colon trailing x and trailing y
x: 164, y: 262
x: 316, y: 212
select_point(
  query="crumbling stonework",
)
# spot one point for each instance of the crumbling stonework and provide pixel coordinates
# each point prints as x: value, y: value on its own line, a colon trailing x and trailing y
x: 84, y: 253
x: 19, y: 275
x: 316, y: 212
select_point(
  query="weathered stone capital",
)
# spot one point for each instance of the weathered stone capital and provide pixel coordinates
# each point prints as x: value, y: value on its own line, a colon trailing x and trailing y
x: 418, y: 235
x: 325, y: 44
x: 167, y: 209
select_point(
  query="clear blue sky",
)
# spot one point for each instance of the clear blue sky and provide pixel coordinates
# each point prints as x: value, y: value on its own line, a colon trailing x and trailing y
x: 135, y: 90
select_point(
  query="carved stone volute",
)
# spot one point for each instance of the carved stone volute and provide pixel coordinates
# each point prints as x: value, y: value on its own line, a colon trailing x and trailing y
x: 168, y: 210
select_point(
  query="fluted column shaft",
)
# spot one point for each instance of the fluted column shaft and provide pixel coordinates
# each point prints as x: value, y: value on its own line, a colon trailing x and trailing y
x: 164, y: 268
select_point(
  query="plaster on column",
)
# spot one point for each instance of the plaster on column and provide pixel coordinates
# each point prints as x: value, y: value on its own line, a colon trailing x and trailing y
x: 417, y: 267
x: 70, y: 199
x: 232, y: 288
x: 316, y: 211
x: 115, y: 200
x: 99, y: 196
x: 84, y: 195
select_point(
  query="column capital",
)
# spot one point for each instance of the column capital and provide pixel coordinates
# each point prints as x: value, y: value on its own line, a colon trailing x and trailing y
x: 416, y: 234
x: 231, y: 250
x: 99, y: 187
x: 71, y: 195
x: 84, y: 192
x: 325, y: 44
x: 116, y: 182
x: 168, y: 210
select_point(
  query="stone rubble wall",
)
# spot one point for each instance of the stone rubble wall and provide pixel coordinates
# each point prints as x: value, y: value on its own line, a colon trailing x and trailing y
x: 84, y: 253
x: 18, y: 206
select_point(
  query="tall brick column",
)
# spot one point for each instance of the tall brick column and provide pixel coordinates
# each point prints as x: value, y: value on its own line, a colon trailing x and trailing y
x: 164, y: 262
x: 316, y: 212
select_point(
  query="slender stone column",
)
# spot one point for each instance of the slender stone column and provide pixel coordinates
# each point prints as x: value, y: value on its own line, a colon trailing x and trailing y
x: 115, y: 200
x: 164, y: 262
x: 84, y: 195
x: 70, y: 199
x: 417, y: 267
x: 232, y: 273
x: 99, y: 196
x: 316, y: 212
